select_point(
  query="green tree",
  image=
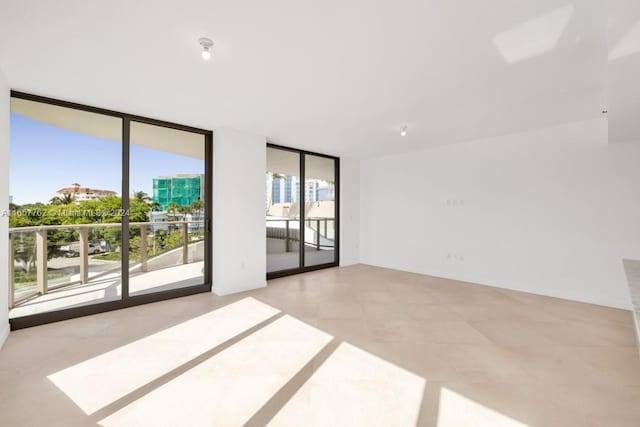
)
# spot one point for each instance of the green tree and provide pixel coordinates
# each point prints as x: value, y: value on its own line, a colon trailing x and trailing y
x: 172, y: 209
x: 197, y: 207
x: 141, y: 196
x: 139, y: 211
x: 66, y: 199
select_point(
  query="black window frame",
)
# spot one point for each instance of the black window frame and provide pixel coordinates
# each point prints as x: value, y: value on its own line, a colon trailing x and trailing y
x: 336, y: 262
x: 126, y: 300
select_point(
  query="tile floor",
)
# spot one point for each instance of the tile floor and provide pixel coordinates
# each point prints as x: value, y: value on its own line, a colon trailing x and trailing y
x: 348, y: 346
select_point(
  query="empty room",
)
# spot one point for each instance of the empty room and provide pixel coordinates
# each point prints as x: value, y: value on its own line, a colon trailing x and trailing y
x: 320, y: 213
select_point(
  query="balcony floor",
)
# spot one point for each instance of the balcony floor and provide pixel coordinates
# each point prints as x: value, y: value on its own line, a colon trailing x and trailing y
x: 287, y: 260
x: 108, y: 288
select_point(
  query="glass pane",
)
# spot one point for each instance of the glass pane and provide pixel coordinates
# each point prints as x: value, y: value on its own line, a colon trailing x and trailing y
x: 25, y: 272
x: 320, y: 210
x: 282, y: 210
x: 65, y: 218
x: 167, y: 209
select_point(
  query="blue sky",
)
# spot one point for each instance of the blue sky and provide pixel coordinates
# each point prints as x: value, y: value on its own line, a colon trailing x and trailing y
x: 45, y: 158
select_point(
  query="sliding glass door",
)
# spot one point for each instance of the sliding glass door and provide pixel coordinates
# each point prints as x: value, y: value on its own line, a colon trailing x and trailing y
x: 108, y: 210
x: 301, y: 211
x: 66, y: 212
x: 167, y: 172
x: 320, y: 210
x: 283, y: 210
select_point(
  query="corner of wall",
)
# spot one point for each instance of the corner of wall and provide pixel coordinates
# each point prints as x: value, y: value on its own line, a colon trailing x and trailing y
x: 349, y: 211
x: 4, y: 334
x: 4, y: 206
x: 239, y: 241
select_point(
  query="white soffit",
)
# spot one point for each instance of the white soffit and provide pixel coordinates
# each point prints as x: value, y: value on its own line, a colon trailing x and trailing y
x: 108, y: 127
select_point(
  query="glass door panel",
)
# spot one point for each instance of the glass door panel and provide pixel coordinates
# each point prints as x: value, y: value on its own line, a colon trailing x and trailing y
x: 66, y: 208
x: 167, y: 209
x: 282, y: 210
x: 320, y: 210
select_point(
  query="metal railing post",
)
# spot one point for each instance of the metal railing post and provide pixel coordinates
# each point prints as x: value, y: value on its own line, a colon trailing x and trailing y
x: 41, y: 261
x: 83, y: 247
x: 185, y: 243
x: 317, y: 234
x: 12, y: 282
x: 326, y: 233
x: 143, y: 249
x: 286, y: 236
x: 84, y: 255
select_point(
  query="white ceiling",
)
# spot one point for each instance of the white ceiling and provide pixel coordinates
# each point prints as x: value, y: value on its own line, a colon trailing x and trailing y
x: 339, y: 77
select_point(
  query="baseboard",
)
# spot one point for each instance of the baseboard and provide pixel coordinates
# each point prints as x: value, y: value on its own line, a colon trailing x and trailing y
x: 636, y: 321
x: 620, y: 305
x: 4, y: 334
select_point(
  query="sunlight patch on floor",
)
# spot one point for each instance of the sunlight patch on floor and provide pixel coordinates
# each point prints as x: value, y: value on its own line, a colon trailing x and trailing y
x: 456, y: 410
x: 101, y: 380
x: 355, y: 388
x: 230, y: 387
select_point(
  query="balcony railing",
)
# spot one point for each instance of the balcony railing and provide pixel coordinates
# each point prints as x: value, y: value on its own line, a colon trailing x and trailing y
x: 36, y: 250
x: 323, y: 236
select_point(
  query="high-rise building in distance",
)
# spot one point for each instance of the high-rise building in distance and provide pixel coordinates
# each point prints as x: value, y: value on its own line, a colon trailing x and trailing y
x: 183, y: 189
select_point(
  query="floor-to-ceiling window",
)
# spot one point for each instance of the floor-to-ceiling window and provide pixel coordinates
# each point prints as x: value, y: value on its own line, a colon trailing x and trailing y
x: 167, y: 170
x: 107, y: 210
x: 301, y: 211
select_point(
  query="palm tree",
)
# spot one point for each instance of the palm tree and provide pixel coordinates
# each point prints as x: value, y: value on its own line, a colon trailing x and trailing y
x: 155, y: 206
x: 197, y: 206
x: 141, y: 196
x: 171, y: 210
x: 66, y: 199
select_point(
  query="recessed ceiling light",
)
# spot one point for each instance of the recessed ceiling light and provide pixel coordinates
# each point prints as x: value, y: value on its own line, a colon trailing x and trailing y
x: 403, y: 131
x: 206, y: 44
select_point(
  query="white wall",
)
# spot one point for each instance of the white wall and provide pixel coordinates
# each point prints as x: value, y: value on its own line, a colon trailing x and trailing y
x: 552, y: 212
x: 239, y: 240
x: 623, y: 67
x: 4, y: 205
x: 349, y: 211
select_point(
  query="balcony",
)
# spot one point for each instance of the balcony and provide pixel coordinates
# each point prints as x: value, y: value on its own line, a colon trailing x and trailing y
x: 47, y: 272
x: 283, y: 242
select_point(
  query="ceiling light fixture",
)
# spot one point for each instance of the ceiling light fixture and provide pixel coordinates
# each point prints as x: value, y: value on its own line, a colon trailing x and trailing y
x: 403, y: 131
x: 206, y: 44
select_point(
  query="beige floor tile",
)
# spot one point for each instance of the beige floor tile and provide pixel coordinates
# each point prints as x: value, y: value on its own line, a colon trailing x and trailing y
x: 394, y: 330
x: 388, y: 310
x: 451, y: 332
x: 405, y: 349
x: 352, y: 330
x: 419, y: 311
x: 516, y: 332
